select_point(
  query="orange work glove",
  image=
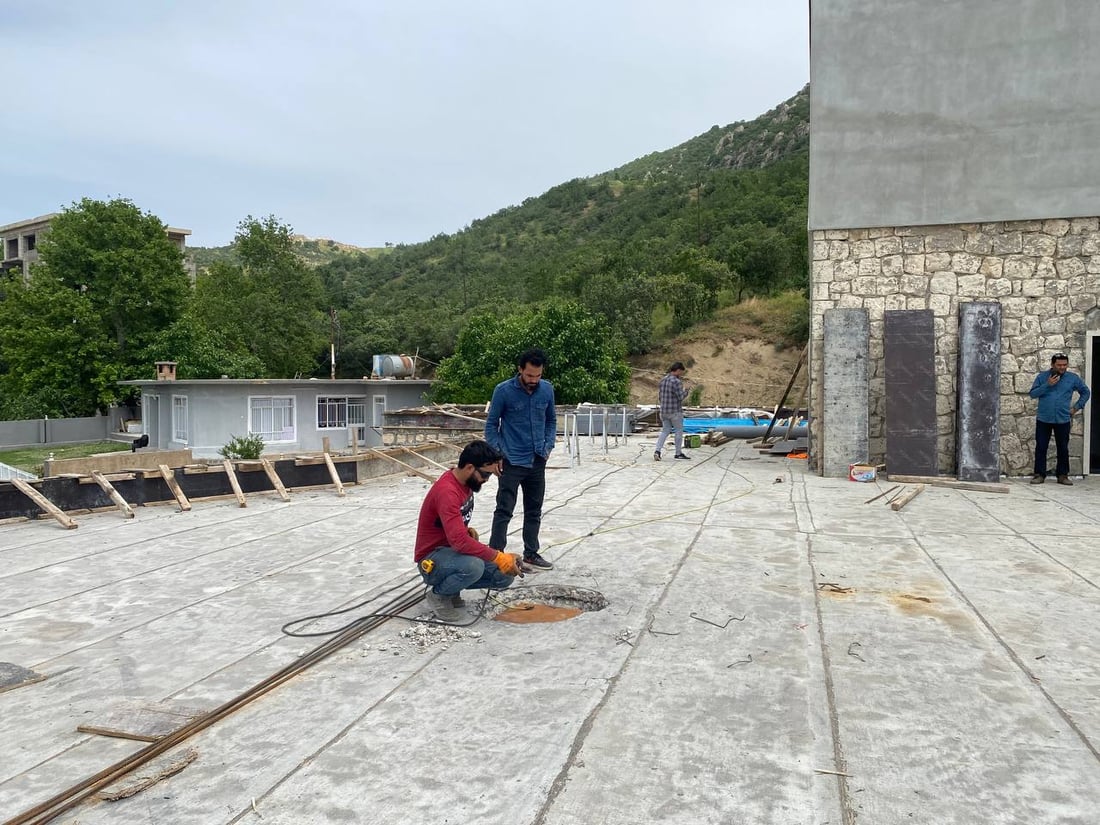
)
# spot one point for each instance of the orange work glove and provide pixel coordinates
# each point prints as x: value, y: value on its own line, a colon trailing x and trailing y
x: 472, y: 532
x: 508, y: 563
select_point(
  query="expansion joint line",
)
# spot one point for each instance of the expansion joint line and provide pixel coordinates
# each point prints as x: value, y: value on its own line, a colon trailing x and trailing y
x: 847, y: 811
x: 589, y: 722
x: 1012, y: 654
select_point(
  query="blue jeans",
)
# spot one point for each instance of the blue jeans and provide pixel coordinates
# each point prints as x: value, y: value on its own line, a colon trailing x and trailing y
x: 1043, y: 431
x: 673, y: 424
x: 455, y: 572
x: 532, y: 480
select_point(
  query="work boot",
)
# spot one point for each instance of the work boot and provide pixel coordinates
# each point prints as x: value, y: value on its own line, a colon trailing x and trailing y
x: 442, y: 608
x: 1065, y: 480
x: 1038, y: 479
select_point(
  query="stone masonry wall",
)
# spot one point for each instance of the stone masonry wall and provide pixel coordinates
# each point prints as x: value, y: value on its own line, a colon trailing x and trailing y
x: 1045, y: 274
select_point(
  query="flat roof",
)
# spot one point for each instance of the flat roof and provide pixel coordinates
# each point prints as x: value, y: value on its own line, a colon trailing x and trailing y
x: 27, y: 223
x: 777, y: 648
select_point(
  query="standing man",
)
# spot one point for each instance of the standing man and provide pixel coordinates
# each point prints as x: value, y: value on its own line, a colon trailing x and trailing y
x: 448, y: 554
x: 1055, y: 388
x: 522, y: 424
x: 670, y: 395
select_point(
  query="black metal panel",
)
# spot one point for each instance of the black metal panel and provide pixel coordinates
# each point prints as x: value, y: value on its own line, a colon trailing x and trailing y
x: 978, y: 434
x: 910, y: 359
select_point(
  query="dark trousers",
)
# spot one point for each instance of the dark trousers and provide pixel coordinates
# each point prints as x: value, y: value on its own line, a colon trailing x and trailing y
x: 532, y: 480
x: 1061, y: 446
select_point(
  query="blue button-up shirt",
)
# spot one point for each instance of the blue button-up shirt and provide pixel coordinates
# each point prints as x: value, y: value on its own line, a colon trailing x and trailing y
x: 520, y: 424
x: 1054, y: 400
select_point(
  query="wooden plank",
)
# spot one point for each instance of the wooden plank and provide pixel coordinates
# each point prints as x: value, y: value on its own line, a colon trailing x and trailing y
x: 276, y: 482
x: 116, y: 497
x: 904, y: 499
x: 43, y: 502
x: 173, y: 485
x: 335, y: 476
x: 408, y: 467
x: 443, y: 467
x: 141, y: 721
x: 231, y: 474
x: 942, y: 481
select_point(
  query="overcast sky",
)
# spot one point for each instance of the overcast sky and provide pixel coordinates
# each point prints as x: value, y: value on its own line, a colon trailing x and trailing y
x: 367, y: 121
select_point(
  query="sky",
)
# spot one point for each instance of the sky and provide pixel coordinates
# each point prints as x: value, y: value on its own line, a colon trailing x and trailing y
x: 367, y: 121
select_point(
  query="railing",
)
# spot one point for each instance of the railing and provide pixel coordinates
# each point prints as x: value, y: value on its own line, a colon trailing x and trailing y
x: 7, y: 473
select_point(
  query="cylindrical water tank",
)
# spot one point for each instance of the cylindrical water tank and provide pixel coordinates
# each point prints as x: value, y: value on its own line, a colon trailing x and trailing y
x: 393, y: 366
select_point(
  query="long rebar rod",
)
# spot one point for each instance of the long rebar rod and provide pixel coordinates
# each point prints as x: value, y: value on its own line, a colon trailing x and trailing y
x: 69, y: 798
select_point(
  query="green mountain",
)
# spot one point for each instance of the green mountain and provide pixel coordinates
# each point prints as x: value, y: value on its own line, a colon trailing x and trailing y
x: 655, y: 246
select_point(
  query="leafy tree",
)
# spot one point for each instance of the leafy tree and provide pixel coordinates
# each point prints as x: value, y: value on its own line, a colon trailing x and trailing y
x: 202, y: 353
x: 586, y: 360
x: 124, y: 261
x: 108, y: 281
x: 270, y: 304
x: 56, y: 360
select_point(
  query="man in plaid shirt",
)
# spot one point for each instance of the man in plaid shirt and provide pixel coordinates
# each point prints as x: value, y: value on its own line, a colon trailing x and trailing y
x: 670, y: 395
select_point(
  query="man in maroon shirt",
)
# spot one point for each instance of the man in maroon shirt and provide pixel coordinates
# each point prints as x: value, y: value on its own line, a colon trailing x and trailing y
x: 448, y: 554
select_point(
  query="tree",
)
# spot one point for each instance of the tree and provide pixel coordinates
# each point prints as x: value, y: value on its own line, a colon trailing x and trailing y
x: 123, y: 260
x: 57, y: 362
x: 108, y: 281
x: 270, y: 304
x: 586, y: 360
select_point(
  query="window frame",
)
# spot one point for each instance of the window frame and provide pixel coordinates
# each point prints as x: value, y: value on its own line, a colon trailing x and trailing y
x: 181, y: 411
x: 269, y: 437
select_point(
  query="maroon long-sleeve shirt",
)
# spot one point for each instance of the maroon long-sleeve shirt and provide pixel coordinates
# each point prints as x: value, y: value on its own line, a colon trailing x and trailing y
x: 444, y: 517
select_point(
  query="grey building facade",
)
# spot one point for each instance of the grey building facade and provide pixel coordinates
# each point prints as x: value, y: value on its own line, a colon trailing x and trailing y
x: 953, y: 162
x: 291, y: 415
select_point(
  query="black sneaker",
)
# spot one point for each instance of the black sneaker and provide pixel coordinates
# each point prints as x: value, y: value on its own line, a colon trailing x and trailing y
x: 538, y: 562
x: 657, y: 456
x: 684, y: 457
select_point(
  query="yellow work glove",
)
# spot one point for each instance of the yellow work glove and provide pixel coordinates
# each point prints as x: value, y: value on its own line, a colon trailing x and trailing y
x: 508, y: 563
x: 472, y: 532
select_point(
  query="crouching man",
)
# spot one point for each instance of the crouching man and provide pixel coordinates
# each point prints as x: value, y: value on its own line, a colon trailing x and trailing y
x: 448, y: 554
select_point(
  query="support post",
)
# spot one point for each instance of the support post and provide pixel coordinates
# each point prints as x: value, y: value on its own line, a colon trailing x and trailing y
x: 173, y: 485
x: 43, y: 502
x: 115, y: 495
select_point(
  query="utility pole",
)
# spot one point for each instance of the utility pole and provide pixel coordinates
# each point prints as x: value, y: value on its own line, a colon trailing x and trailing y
x: 332, y: 344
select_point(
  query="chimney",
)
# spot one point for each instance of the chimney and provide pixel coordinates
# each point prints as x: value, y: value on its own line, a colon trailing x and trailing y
x: 166, y: 370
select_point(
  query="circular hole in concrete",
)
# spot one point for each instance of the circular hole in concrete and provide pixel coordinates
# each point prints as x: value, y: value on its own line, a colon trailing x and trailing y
x: 543, y: 603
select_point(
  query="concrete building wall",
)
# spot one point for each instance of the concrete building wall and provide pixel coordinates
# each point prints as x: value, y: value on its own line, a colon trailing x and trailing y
x: 949, y: 112
x: 953, y: 158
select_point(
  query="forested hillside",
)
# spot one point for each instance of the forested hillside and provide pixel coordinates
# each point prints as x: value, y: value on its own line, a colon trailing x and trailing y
x: 653, y: 247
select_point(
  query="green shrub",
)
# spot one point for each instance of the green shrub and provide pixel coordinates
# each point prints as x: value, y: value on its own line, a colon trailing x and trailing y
x: 695, y: 397
x: 243, y: 446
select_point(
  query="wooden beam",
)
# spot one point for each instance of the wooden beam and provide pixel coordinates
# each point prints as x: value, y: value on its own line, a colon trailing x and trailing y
x: 947, y: 481
x: 173, y: 485
x: 439, y: 443
x: 335, y: 476
x: 43, y: 502
x: 905, y: 498
x: 424, y: 458
x: 408, y: 467
x: 231, y: 474
x: 276, y: 482
x: 116, y: 497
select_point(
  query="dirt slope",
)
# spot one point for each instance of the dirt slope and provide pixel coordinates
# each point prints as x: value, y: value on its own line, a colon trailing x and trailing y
x: 748, y: 373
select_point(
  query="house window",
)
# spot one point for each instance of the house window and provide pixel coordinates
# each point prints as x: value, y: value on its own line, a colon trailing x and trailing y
x: 179, y: 418
x: 336, y: 413
x: 332, y: 413
x: 271, y: 417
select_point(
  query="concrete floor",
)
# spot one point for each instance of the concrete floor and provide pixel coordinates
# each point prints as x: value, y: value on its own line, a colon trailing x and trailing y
x: 775, y: 651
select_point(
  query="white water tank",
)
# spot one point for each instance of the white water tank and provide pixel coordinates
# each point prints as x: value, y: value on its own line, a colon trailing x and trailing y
x: 393, y: 366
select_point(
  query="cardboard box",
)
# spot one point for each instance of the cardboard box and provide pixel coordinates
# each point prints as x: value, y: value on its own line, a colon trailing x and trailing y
x: 862, y: 472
